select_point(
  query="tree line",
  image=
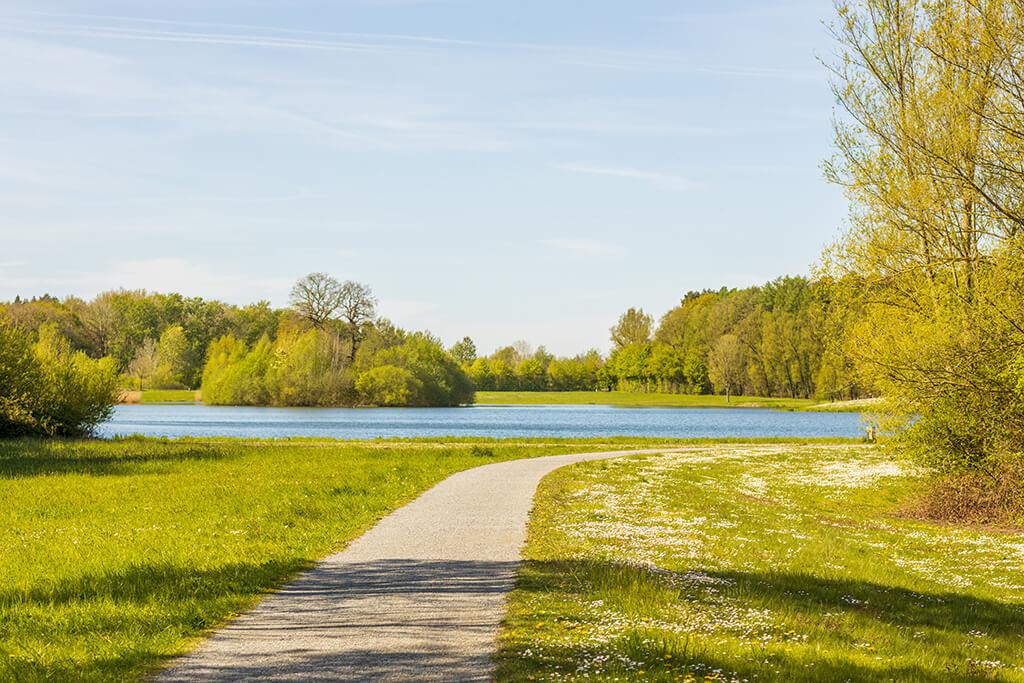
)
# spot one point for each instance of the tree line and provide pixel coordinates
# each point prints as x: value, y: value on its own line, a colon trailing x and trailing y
x: 328, y: 348
x: 775, y: 340
x: 771, y: 341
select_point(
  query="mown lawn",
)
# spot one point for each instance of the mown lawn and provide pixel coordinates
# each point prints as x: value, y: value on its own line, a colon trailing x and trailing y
x: 624, y: 398
x: 758, y: 563
x: 117, y: 555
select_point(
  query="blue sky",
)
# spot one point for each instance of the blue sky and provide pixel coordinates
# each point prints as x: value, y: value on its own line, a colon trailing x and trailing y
x: 499, y: 170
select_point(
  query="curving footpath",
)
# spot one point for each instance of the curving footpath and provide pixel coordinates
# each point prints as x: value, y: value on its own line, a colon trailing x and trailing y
x: 417, y: 598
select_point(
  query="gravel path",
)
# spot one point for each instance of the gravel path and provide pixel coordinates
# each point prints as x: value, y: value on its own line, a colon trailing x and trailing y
x: 417, y: 598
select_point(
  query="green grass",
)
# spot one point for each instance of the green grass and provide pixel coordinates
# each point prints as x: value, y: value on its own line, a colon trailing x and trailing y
x: 863, y: 405
x: 117, y: 555
x: 625, y: 398
x: 159, y: 396
x: 169, y: 396
x: 782, y: 562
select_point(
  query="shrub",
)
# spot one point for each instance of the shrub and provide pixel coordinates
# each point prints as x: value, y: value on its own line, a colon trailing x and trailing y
x: 444, y: 382
x: 48, y: 389
x: 388, y: 385
x: 995, y: 496
x: 21, y: 378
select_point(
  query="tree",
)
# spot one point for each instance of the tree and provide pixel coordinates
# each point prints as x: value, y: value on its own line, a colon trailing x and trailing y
x: 357, y: 307
x: 522, y: 350
x: 318, y: 297
x: 479, y: 372
x: 727, y: 365
x: 173, y: 353
x: 532, y: 375
x: 634, y: 327
x: 931, y: 152
x: 145, y: 363
x: 254, y: 321
x: 464, y: 351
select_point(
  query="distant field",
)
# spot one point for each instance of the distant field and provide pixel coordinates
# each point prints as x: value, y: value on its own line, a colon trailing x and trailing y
x: 160, y: 396
x: 623, y: 398
x: 755, y: 563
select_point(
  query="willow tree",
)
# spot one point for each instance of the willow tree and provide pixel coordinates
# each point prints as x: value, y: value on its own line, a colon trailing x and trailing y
x: 930, y: 148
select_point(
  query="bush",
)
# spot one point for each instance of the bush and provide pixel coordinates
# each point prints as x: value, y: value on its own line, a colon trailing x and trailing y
x: 444, y: 383
x: 995, y: 496
x: 21, y: 378
x: 47, y: 389
x: 388, y: 385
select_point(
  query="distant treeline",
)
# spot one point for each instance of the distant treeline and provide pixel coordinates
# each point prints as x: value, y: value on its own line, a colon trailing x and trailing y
x: 330, y: 348
x: 327, y: 349
x: 775, y: 340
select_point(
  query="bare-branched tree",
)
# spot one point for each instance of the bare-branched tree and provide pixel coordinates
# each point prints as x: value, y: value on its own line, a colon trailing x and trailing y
x: 317, y: 297
x: 357, y: 306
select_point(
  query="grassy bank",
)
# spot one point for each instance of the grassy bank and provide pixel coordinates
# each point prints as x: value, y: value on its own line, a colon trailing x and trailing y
x: 613, y: 398
x: 624, y: 398
x: 117, y: 555
x: 160, y: 396
x: 862, y: 405
x: 758, y: 563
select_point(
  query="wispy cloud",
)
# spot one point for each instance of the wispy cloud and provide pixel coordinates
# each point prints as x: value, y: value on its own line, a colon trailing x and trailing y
x: 113, y: 32
x: 587, y: 248
x: 108, y: 27
x: 664, y: 181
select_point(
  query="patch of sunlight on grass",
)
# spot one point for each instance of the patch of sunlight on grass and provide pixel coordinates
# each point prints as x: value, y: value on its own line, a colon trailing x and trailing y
x: 170, y: 396
x: 118, y: 554
x: 758, y: 562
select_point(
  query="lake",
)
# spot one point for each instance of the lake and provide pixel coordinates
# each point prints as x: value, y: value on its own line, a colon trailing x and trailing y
x: 568, y: 421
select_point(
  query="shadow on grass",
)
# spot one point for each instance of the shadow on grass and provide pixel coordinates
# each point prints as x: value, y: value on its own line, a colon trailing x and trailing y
x: 158, y: 583
x: 379, y: 620
x: 898, y: 607
x: 24, y: 458
x: 415, y: 619
x: 807, y: 598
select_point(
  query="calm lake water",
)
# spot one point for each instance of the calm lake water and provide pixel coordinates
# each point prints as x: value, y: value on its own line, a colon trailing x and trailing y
x: 490, y: 421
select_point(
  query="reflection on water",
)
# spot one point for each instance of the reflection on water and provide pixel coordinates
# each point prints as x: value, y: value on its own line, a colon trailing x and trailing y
x: 490, y: 421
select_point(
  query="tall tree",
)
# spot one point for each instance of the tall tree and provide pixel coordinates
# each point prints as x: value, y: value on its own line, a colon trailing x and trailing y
x: 318, y: 297
x: 357, y: 307
x: 727, y: 365
x: 145, y: 363
x: 464, y: 351
x: 634, y: 327
x: 930, y: 151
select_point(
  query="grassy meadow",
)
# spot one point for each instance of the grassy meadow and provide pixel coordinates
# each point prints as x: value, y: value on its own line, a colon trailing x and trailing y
x: 745, y: 563
x: 636, y: 400
x: 118, y: 555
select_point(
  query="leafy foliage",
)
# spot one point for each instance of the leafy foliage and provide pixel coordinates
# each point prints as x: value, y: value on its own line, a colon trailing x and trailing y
x: 48, y: 389
x: 931, y: 156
